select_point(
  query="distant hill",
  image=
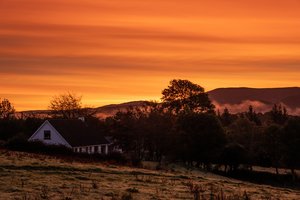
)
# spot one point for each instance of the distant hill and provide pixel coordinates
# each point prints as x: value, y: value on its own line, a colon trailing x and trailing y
x: 109, y: 110
x: 101, y: 112
x: 235, y: 99
x: 264, y: 97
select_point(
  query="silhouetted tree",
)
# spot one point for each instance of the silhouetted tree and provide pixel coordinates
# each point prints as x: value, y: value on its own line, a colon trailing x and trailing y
x: 226, y: 117
x: 233, y: 155
x: 6, y: 109
x: 30, y: 125
x: 183, y: 95
x: 291, y: 141
x: 157, y: 126
x: 202, y: 137
x: 279, y: 114
x: 66, y: 106
x: 9, y: 128
x: 252, y: 116
x: 272, y: 145
x: 145, y: 131
x: 244, y: 132
x: 127, y: 128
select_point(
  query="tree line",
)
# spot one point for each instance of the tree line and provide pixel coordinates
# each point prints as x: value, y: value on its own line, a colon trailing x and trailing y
x: 184, y: 127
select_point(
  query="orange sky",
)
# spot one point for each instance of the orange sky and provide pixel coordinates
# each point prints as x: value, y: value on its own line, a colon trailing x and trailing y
x: 113, y: 51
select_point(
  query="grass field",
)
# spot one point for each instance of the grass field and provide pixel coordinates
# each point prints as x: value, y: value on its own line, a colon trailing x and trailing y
x: 32, y: 177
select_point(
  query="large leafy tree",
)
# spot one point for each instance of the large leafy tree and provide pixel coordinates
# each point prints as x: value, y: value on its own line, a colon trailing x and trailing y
x: 6, y: 109
x: 66, y: 106
x: 272, y: 145
x: 183, y: 95
x: 143, y: 131
x: 291, y: 142
x: 157, y: 126
x: 246, y: 133
x: 202, y: 137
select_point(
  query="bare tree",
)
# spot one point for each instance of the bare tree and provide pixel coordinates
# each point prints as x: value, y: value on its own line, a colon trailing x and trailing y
x: 6, y: 109
x: 66, y: 105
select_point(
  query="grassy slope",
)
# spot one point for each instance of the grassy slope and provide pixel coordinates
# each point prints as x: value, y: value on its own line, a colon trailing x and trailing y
x: 30, y: 176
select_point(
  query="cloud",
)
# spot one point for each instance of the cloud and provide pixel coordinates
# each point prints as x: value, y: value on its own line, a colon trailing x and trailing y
x: 294, y: 111
x: 131, y: 49
x: 258, y: 107
x: 244, y: 106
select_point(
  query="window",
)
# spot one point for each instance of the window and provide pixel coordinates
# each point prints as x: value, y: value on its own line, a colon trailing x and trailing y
x: 47, y: 135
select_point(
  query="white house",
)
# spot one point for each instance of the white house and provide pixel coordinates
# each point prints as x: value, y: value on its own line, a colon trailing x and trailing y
x: 74, y: 134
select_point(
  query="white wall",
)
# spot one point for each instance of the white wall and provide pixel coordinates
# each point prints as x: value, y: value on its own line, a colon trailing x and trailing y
x: 56, y: 138
x: 102, y: 149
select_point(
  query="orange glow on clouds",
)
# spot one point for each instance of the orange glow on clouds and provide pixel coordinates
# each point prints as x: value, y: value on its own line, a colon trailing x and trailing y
x: 122, y: 50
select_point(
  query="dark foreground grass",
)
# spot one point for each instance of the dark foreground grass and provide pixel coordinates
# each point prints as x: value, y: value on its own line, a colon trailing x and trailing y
x: 26, y: 176
x: 266, y: 178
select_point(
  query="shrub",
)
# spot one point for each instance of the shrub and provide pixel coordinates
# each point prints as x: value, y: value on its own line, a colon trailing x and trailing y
x: 233, y: 155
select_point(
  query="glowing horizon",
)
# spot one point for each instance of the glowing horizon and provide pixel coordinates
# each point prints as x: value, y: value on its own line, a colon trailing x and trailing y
x: 117, y: 51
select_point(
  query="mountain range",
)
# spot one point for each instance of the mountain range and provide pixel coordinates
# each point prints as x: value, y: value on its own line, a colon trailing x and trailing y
x: 235, y: 99
x: 262, y: 99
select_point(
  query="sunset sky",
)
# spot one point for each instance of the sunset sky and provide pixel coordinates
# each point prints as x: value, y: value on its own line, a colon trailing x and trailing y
x: 112, y: 51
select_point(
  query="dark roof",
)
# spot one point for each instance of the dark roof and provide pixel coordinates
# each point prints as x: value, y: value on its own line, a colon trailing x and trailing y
x: 78, y: 133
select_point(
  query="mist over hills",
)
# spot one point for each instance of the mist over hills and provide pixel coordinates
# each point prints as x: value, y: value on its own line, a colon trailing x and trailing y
x: 262, y: 99
x: 235, y: 99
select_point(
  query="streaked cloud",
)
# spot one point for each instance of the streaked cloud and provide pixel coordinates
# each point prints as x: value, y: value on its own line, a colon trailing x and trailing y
x: 114, y: 51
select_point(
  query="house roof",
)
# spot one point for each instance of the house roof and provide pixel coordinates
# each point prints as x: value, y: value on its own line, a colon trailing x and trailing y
x: 78, y: 133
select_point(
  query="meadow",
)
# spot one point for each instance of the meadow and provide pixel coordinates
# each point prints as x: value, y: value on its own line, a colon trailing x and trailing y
x: 25, y: 176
